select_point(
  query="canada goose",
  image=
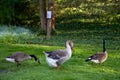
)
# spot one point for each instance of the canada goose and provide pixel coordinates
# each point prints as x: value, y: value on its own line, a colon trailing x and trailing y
x: 99, y: 57
x: 18, y: 57
x: 58, y: 57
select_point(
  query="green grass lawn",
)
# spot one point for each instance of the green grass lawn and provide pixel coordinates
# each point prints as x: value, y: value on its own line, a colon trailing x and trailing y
x: 74, y: 69
x: 86, y: 42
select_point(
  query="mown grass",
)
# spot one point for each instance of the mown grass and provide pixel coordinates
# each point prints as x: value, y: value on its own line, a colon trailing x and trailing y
x: 86, y: 42
x: 74, y: 69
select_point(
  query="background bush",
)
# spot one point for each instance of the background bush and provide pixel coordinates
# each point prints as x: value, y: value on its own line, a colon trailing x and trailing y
x: 17, y: 34
x: 77, y: 12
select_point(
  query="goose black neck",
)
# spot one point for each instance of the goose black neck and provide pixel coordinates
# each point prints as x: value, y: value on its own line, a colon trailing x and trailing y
x: 104, y: 49
x: 35, y: 58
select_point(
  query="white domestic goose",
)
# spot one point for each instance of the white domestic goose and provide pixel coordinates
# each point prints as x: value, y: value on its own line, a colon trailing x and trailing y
x: 58, y: 57
x: 18, y: 57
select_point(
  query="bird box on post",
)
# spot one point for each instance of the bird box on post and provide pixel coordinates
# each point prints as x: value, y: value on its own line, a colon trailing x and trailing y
x: 49, y: 14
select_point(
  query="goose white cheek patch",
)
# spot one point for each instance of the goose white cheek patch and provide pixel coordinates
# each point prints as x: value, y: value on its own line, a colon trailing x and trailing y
x: 89, y: 58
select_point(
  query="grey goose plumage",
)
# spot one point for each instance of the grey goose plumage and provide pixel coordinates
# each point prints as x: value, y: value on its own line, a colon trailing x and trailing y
x: 18, y: 57
x: 58, y: 57
x: 99, y: 57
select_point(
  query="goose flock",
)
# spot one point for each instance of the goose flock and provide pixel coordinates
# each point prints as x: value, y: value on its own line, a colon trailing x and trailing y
x: 58, y: 57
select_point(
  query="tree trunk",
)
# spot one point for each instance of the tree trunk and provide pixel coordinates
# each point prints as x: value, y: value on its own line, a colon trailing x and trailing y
x: 50, y: 20
x: 43, y: 19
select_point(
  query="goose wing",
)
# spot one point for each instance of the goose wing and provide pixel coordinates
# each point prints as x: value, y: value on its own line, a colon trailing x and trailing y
x: 18, y: 55
x: 97, y: 56
x: 58, y: 54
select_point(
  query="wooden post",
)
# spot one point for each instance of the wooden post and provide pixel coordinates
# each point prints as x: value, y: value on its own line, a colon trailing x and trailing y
x: 49, y: 17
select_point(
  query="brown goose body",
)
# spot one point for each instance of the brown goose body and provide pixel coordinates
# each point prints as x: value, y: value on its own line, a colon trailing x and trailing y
x: 58, y: 57
x: 99, y: 57
x: 18, y: 57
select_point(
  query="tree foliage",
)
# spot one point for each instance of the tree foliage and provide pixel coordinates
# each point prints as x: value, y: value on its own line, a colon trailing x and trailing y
x: 19, y: 12
x: 26, y: 12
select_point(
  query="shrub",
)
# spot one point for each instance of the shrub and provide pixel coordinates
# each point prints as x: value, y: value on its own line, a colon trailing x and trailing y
x: 17, y: 34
